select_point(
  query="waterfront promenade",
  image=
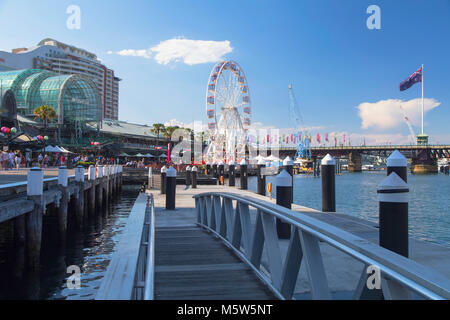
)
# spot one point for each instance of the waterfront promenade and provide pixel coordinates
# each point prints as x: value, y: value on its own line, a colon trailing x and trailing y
x: 15, y: 176
x: 217, y: 230
x: 343, y: 272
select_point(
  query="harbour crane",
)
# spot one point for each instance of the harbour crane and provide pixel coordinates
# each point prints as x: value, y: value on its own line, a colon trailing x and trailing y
x: 411, y: 130
x: 304, y: 144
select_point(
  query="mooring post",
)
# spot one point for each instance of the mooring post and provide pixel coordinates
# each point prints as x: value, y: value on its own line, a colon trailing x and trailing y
x: 194, y: 177
x: 163, y: 179
x: 79, y: 210
x: 99, y: 191
x: 328, y: 184
x: 232, y: 174
x: 215, y: 172
x: 19, y: 246
x: 221, y: 173
x: 288, y: 165
x: 120, y: 170
x: 393, y: 218
x: 112, y: 170
x: 106, y: 194
x: 35, y: 191
x: 244, y: 177
x: 63, y: 182
x: 446, y: 169
x: 171, y: 188
x: 188, y: 176
x: 397, y: 163
x: 284, y: 189
x: 261, y: 177
x: 150, y: 178
x: 91, y: 178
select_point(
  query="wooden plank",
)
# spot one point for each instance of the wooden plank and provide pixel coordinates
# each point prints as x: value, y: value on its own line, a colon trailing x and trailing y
x: 200, y: 266
x: 118, y: 282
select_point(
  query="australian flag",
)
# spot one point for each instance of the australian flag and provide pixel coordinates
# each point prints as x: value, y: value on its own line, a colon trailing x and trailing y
x: 414, y: 78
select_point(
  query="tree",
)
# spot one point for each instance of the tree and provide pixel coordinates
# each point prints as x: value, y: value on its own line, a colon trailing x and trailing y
x: 157, y: 129
x: 45, y: 113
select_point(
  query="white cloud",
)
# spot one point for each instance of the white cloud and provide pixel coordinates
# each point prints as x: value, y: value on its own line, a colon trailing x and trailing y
x: 386, y: 114
x: 188, y: 51
x: 133, y: 53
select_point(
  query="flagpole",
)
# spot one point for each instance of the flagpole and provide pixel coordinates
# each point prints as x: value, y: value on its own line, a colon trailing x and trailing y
x: 423, y: 103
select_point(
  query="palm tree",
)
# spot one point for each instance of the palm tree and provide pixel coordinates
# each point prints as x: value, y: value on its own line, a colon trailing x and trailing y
x: 45, y: 113
x: 168, y: 132
x: 157, y: 129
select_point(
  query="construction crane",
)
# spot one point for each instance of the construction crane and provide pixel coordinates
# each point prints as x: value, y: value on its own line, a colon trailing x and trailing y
x: 304, y: 144
x: 413, y: 134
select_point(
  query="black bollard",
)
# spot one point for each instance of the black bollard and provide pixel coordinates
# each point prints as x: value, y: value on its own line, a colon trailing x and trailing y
x: 261, y: 178
x: 171, y: 188
x: 244, y: 178
x: 208, y: 168
x: 397, y: 163
x: 393, y: 219
x: 232, y: 174
x: 214, y: 170
x: 221, y: 173
x: 194, y: 177
x: 163, y: 179
x: 446, y: 169
x: 188, y: 176
x: 284, y: 189
x: 328, y: 184
x: 288, y: 165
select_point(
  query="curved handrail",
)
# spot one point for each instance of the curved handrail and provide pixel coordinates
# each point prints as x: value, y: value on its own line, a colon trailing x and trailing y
x: 150, y: 266
x: 417, y: 277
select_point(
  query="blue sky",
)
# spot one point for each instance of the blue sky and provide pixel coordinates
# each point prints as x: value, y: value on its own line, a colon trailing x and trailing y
x: 323, y: 47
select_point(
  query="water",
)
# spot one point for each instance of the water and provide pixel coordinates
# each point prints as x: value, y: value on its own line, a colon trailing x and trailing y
x: 356, y: 195
x: 91, y: 249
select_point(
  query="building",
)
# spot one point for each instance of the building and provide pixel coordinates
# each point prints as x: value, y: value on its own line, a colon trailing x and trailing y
x: 64, y: 59
x: 74, y: 97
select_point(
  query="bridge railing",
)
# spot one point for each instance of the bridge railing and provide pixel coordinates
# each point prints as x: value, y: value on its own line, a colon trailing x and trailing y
x: 229, y: 217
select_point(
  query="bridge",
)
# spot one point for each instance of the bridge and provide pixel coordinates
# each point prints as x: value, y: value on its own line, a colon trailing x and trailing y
x: 424, y: 157
x: 221, y: 243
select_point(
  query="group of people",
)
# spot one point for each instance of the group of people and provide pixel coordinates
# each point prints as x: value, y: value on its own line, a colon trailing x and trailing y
x: 14, y: 160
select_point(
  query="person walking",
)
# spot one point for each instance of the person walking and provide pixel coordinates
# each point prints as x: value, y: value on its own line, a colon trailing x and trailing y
x: 45, y: 161
x: 18, y: 159
x: 11, y: 160
x: 40, y: 160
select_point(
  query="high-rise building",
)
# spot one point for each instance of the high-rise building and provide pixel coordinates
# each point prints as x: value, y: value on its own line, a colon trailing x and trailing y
x: 61, y: 58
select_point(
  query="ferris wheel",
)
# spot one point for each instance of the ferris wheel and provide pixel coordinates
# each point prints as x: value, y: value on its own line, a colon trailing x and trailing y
x: 228, y: 112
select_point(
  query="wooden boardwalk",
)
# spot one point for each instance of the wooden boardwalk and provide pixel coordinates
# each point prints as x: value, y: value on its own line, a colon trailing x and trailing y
x: 192, y: 264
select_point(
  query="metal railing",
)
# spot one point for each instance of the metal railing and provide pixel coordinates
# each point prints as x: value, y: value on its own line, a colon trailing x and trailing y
x: 150, y: 265
x: 229, y: 217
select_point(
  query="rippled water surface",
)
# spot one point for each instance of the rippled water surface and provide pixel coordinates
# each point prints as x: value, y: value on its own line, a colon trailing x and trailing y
x: 356, y: 195
x: 91, y: 249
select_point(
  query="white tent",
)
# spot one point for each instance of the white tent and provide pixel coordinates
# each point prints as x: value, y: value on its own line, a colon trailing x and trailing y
x: 258, y: 158
x: 272, y: 158
x: 148, y: 155
x: 64, y: 150
x: 51, y: 149
x: 163, y: 156
x: 140, y: 155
